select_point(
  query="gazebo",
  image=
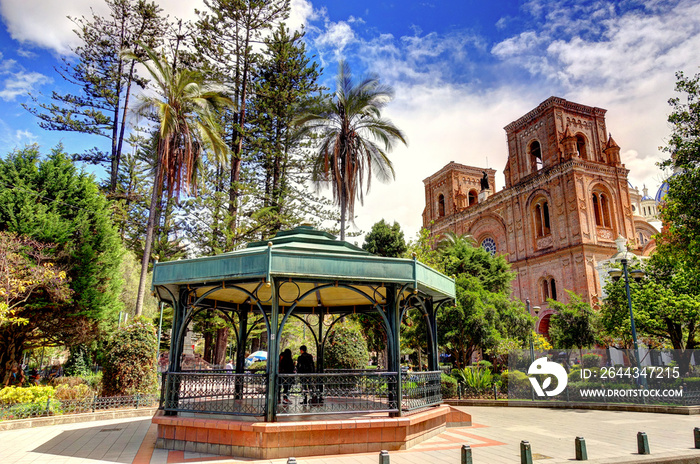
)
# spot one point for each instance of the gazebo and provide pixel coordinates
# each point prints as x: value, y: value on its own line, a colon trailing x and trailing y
x: 308, y: 275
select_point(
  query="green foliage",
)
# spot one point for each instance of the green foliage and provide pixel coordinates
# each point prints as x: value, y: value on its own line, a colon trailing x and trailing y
x: 130, y: 366
x: 476, y: 380
x: 385, y: 240
x: 258, y: 365
x: 77, y: 392
x: 516, y: 380
x: 348, y: 127
x: 103, y: 76
x: 346, y: 348
x: 591, y: 360
x: 666, y: 306
x: 574, y: 324
x: 51, y: 202
x: 448, y: 386
x: 484, y: 314
x: 34, y: 394
x: 78, y: 363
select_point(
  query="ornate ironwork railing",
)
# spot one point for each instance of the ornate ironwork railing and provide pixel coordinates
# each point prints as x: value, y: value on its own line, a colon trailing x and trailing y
x: 420, y: 390
x: 336, y: 392
x: 55, y: 407
x: 215, y: 393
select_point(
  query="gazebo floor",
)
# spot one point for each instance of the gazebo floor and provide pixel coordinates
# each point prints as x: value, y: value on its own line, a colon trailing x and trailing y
x: 302, y: 435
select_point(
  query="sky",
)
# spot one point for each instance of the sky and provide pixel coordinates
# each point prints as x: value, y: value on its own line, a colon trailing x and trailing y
x: 461, y: 71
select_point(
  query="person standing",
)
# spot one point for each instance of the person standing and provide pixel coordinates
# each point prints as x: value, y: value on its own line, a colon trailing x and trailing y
x: 305, y: 365
x: 286, y: 367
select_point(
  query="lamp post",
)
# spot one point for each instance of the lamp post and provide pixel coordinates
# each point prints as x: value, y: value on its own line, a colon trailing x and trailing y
x: 536, y: 309
x: 616, y: 274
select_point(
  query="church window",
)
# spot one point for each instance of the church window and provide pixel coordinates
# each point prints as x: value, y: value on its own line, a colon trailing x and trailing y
x: 536, y: 155
x: 601, y: 210
x: 472, y: 197
x: 581, y: 146
x: 489, y: 245
x: 549, y: 289
x: 541, y: 216
x: 441, y: 205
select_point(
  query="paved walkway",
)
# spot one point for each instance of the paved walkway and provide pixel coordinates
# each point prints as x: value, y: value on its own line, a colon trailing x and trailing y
x: 610, y: 438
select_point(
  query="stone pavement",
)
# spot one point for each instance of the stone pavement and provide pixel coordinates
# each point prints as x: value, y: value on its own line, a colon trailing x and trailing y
x: 495, y: 438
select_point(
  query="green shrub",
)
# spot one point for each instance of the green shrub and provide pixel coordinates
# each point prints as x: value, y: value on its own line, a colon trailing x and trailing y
x: 448, y: 386
x: 346, y: 349
x: 78, y: 392
x: 591, y: 360
x: 484, y: 364
x: 16, y: 395
x: 78, y: 363
x: 26, y: 410
x: 130, y: 360
x: 515, y: 380
x: 574, y: 374
x: 476, y: 380
x: 258, y: 365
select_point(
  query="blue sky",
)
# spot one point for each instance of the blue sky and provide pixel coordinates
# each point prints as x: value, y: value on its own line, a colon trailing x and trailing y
x: 462, y: 70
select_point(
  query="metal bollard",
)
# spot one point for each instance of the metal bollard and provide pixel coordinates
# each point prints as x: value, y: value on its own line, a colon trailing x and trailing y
x: 642, y: 443
x: 581, y: 454
x: 525, y: 452
x: 696, y: 434
x: 384, y: 457
x: 467, y: 455
x: 292, y: 461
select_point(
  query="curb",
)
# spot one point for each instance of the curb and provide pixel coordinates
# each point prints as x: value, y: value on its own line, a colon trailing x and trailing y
x: 76, y: 418
x: 683, y: 410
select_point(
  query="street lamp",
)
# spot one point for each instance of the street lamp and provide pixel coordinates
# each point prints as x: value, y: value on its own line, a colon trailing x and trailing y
x: 536, y: 309
x: 615, y: 274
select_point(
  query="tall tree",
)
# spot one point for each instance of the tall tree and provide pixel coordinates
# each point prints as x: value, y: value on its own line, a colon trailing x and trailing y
x: 104, y: 77
x: 574, y: 324
x: 385, y: 240
x: 188, y: 110
x: 681, y: 211
x: 67, y: 220
x: 228, y: 31
x: 350, y: 126
x: 484, y: 313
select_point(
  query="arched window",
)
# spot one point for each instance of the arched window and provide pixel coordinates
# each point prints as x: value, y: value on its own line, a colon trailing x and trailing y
x: 541, y: 217
x: 441, y: 205
x: 535, y: 155
x: 581, y: 146
x: 601, y: 210
x: 549, y: 289
x: 472, y: 197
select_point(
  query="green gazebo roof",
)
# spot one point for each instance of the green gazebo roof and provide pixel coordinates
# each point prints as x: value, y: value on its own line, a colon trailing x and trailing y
x: 307, y: 258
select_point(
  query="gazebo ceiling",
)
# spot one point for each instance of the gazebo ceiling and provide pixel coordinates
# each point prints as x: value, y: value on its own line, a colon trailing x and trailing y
x: 301, y: 260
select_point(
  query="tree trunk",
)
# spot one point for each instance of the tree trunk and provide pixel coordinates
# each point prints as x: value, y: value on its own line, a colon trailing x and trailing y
x: 149, y: 240
x: 220, y: 345
x: 11, y: 348
x: 343, y: 207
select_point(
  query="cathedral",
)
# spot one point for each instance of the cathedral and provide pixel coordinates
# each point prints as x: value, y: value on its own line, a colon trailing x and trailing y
x: 566, y: 199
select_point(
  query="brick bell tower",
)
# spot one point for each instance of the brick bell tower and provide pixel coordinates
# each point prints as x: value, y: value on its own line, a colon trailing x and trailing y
x: 565, y: 201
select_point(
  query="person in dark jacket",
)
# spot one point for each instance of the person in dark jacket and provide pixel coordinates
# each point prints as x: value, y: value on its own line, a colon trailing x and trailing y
x: 286, y: 367
x: 305, y: 365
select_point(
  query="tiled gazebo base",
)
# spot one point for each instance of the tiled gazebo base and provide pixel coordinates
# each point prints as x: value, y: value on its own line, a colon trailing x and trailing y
x: 269, y: 440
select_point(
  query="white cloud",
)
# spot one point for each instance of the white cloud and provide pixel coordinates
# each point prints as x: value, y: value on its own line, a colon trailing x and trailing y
x: 21, y: 83
x: 336, y: 37
x: 25, y: 137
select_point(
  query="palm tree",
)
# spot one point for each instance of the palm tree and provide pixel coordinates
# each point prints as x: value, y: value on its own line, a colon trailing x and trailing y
x: 187, y: 110
x: 349, y: 126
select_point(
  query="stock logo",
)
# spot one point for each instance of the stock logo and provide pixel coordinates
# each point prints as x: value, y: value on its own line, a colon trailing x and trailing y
x: 544, y: 367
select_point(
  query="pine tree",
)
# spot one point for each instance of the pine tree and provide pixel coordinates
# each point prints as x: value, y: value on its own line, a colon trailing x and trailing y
x: 104, y: 78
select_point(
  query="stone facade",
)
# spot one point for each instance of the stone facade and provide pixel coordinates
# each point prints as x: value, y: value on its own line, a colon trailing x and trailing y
x: 565, y: 201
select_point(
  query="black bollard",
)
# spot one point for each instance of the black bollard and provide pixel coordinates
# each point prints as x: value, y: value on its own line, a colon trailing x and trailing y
x: 384, y: 457
x: 581, y: 454
x: 696, y: 434
x: 467, y: 455
x: 642, y: 443
x: 525, y: 452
